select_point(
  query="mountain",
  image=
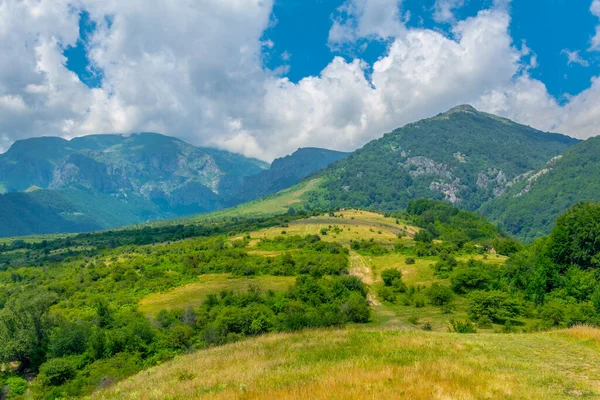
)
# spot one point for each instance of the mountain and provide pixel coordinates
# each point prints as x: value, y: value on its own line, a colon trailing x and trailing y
x: 462, y: 156
x: 285, y: 172
x: 529, y: 209
x: 100, y: 181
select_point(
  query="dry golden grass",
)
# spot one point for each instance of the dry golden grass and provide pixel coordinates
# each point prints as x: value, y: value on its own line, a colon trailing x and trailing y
x: 355, y: 225
x: 365, y: 364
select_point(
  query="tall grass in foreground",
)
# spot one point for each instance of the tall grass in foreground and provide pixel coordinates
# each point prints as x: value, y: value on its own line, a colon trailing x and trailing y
x: 366, y: 364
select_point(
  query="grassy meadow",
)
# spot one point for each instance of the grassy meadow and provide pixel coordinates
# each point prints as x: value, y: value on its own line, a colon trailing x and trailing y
x: 380, y: 364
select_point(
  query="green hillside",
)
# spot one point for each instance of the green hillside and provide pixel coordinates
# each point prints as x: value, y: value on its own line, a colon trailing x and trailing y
x: 530, y: 208
x: 463, y: 156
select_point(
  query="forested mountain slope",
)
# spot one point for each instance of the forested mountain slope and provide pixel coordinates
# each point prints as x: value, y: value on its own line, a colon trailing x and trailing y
x: 462, y: 156
x: 529, y: 209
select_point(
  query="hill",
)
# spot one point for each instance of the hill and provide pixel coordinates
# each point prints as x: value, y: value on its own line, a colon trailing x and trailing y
x: 285, y: 172
x: 463, y: 156
x: 530, y: 208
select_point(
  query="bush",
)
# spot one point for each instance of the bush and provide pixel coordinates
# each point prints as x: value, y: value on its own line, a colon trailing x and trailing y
x: 495, y: 305
x: 467, y: 279
x: 424, y: 236
x: 462, y: 327
x: 390, y: 275
x: 15, y: 386
x: 356, y: 309
x: 387, y: 294
x: 439, y: 295
x: 409, y: 261
x: 554, y: 313
x: 57, y: 371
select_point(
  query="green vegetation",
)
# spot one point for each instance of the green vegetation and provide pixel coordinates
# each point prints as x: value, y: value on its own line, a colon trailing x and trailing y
x: 83, y: 312
x: 463, y: 156
x: 530, y: 208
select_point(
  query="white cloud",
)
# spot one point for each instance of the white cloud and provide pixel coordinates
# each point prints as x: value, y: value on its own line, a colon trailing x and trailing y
x: 575, y: 58
x: 595, y: 9
x: 444, y: 10
x: 366, y: 19
x: 195, y: 71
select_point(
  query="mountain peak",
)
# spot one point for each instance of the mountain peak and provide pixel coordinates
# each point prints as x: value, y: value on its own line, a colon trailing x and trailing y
x: 463, y: 108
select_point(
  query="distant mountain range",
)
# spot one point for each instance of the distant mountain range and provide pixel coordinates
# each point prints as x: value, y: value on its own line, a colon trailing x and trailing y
x: 103, y: 181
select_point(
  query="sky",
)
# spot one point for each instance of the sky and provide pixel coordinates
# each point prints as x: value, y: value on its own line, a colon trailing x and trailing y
x: 264, y: 77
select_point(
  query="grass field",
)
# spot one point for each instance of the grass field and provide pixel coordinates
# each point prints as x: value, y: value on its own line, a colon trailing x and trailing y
x: 380, y: 364
x: 194, y: 294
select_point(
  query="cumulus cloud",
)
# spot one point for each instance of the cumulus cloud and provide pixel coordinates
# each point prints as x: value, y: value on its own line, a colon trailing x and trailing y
x: 196, y: 72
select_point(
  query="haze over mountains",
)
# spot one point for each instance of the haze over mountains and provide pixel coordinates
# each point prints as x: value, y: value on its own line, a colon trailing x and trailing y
x: 519, y: 177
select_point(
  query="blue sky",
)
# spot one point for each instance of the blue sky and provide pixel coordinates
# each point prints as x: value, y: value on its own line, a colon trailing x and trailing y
x: 547, y: 26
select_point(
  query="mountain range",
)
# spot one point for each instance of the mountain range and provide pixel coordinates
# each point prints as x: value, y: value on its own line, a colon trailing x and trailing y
x: 517, y: 176
x: 103, y: 181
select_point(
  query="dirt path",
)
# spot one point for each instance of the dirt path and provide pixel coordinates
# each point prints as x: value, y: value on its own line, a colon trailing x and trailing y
x: 358, y: 267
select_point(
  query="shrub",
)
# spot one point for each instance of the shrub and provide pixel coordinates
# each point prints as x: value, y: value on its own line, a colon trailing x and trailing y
x: 485, y: 322
x: 15, y: 386
x: 419, y: 302
x: 390, y: 275
x: 468, y: 279
x: 424, y: 236
x: 554, y: 313
x: 462, y: 327
x: 387, y: 294
x: 495, y: 305
x: 56, y: 371
x: 356, y: 309
x: 439, y: 295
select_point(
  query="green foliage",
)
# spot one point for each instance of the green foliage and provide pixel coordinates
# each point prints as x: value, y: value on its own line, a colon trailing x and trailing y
x: 24, y: 327
x: 576, y: 237
x: 494, y: 305
x: 530, y: 208
x: 390, y: 275
x: 462, y: 327
x: 473, y: 275
x: 14, y: 387
x: 368, y: 247
x: 462, y: 144
x: 57, y: 371
x: 439, y: 295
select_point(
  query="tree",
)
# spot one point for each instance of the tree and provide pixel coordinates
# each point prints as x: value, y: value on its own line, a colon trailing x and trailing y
x: 576, y: 237
x: 390, y: 275
x: 25, y: 326
x: 495, y: 305
x: 439, y: 295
